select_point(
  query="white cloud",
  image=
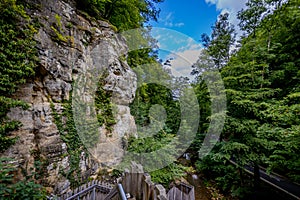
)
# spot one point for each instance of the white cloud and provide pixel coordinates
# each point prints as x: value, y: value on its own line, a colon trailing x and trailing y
x: 230, y: 6
x: 234, y: 5
x: 182, y: 61
x: 169, y: 16
x: 180, y: 24
x: 181, y: 50
x: 168, y: 21
x: 171, y: 24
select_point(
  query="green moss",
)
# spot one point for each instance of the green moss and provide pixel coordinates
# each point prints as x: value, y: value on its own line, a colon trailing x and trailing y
x: 104, y: 107
x: 122, y: 58
x: 93, y: 30
x: 58, y: 21
x: 69, y: 25
x: 59, y: 32
x: 59, y: 36
x: 114, y: 28
x: 69, y: 135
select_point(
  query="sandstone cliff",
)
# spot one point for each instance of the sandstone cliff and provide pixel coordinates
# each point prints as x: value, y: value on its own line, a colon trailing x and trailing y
x: 74, y: 51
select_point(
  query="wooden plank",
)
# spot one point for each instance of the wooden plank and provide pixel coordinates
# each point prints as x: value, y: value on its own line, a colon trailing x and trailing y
x: 146, y: 185
x: 180, y: 192
x: 127, y: 180
x: 160, y: 192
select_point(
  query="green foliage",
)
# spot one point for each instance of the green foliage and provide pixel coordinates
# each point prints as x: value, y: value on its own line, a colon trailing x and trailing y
x: 104, y: 107
x: 149, y: 144
x: 39, y: 170
x: 152, y: 94
x: 58, y: 21
x: 262, y: 86
x: 68, y: 134
x: 157, y: 129
x: 25, y: 189
x: 168, y: 174
x: 222, y: 38
x: 260, y: 82
x: 18, y: 53
x: 124, y: 14
x: 59, y: 36
x: 18, y: 58
x: 157, y: 114
x: 251, y: 17
x: 225, y: 176
x: 162, y: 176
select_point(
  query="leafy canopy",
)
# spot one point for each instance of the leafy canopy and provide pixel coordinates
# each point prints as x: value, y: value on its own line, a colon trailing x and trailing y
x: 262, y: 87
x: 124, y: 14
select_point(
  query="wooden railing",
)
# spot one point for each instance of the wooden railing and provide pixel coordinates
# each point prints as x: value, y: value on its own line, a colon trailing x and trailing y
x: 181, y: 192
x: 117, y: 193
x: 140, y: 186
x: 135, y: 183
x: 90, y: 191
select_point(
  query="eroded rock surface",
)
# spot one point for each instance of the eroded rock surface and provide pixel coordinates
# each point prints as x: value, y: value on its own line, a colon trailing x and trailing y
x: 74, y: 52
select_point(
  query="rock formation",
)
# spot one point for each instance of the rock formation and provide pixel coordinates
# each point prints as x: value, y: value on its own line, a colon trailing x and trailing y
x: 74, y: 50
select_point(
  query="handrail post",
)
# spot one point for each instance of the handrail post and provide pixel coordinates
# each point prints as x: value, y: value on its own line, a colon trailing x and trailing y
x: 121, y: 192
x: 94, y: 194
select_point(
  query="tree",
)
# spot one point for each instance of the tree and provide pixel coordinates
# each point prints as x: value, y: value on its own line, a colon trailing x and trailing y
x: 221, y: 40
x: 212, y: 58
x: 262, y: 87
x: 251, y: 17
x: 254, y: 95
x: 124, y: 14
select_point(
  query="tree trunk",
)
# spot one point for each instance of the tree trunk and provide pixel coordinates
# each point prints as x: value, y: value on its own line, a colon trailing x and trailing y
x: 241, y: 176
x: 256, y: 176
x: 263, y: 70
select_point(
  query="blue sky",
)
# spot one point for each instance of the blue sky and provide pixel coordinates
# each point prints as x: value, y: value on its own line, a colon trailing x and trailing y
x: 180, y: 25
x: 191, y: 17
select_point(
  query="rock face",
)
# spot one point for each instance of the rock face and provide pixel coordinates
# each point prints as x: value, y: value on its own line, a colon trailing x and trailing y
x: 74, y: 52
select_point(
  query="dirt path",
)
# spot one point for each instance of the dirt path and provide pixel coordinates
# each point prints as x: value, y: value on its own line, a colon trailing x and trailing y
x: 201, y: 192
